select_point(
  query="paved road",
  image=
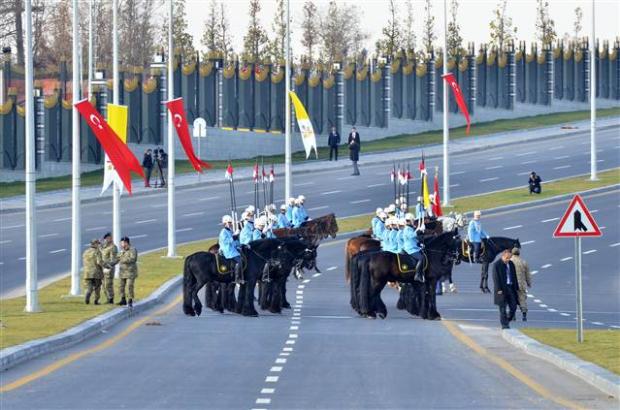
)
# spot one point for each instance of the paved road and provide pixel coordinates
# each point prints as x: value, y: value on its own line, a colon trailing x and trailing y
x: 199, y: 209
x: 322, y: 356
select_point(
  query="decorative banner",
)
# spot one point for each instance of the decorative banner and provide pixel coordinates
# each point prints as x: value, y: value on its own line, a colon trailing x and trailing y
x: 458, y: 94
x: 179, y: 120
x: 425, y: 195
x: 303, y: 121
x: 272, y: 174
x: 255, y: 173
x: 122, y: 158
x: 422, y: 166
x: 117, y: 119
x: 437, y: 205
x: 229, y: 171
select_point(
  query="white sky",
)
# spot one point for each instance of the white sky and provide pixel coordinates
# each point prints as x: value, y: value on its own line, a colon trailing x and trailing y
x: 474, y: 17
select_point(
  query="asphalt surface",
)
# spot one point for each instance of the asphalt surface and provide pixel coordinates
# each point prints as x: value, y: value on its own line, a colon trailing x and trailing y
x: 199, y: 209
x: 320, y: 355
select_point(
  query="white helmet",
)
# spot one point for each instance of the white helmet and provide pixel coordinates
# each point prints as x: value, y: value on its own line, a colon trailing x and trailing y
x: 247, y: 216
x: 477, y: 214
x: 409, y: 217
x: 283, y: 207
x: 419, y: 199
x: 301, y: 198
x: 382, y: 215
x: 250, y: 209
x: 260, y: 222
x: 402, y: 222
x: 397, y: 201
x: 226, y: 219
x: 379, y: 210
x: 391, y: 208
x: 403, y: 205
x: 291, y: 201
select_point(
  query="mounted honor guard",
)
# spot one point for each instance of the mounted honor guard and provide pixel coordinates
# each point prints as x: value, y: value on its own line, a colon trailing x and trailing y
x: 283, y: 221
x: 420, y: 211
x: 475, y: 235
x: 412, y: 245
x: 229, y: 246
x: 245, y: 236
x: 259, y: 225
x: 290, y: 205
x: 299, y: 212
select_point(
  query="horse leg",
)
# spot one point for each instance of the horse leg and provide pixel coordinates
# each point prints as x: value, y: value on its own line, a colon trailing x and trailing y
x: 262, y: 295
x: 240, y: 299
x: 424, y: 295
x: 275, y: 305
x: 380, y: 307
x: 401, y: 304
x: 248, y: 305
x: 354, y: 283
x: 485, y: 277
x: 230, y: 297
x: 285, y: 304
x: 196, y: 298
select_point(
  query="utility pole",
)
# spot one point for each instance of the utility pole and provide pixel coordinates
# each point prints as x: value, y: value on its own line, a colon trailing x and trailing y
x: 171, y: 211
x: 116, y: 192
x: 76, y: 225
x: 90, y: 49
x: 446, y: 129
x: 287, y: 108
x: 593, y: 165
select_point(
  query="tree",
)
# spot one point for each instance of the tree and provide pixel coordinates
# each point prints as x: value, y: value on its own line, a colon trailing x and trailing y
x: 578, y: 24
x: 454, y: 41
x: 255, y: 41
x: 136, y: 32
x: 545, y: 26
x: 310, y: 29
x: 211, y: 33
x: 341, y: 34
x: 277, y: 47
x: 60, y: 32
x: 224, y: 35
x: 392, y: 33
x: 501, y: 28
x: 409, y: 38
x: 428, y: 31
x: 183, y: 41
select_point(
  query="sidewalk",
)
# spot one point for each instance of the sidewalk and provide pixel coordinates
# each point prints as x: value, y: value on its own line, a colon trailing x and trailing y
x: 464, y: 145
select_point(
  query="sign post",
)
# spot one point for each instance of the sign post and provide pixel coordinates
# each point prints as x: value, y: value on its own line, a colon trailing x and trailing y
x: 199, y: 129
x: 577, y: 222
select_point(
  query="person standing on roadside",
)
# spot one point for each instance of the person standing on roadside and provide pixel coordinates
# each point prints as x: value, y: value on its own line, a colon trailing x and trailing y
x: 333, y: 140
x: 109, y: 253
x: 92, y: 268
x: 128, y: 272
x: 524, y: 279
x: 355, y: 145
x: 505, y: 288
x: 163, y: 165
x: 147, y: 164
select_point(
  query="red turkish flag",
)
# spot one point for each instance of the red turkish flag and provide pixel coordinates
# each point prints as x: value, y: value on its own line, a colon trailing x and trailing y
x: 255, y: 173
x: 229, y: 171
x: 122, y: 158
x: 458, y: 94
x: 437, y: 205
x: 180, y: 123
x: 272, y: 175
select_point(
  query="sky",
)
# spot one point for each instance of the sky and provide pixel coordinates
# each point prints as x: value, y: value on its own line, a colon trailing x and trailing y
x: 474, y: 17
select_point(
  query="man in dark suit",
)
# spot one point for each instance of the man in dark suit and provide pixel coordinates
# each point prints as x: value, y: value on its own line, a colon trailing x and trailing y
x: 506, y: 287
x: 333, y: 141
x: 354, y: 149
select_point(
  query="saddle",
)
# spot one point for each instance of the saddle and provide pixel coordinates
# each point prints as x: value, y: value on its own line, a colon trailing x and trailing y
x: 406, y: 263
x: 227, y: 266
x: 466, y: 246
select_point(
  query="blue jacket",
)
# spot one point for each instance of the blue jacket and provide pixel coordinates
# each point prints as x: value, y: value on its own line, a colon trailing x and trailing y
x: 399, y: 241
x: 386, y: 240
x: 475, y: 233
x: 256, y: 234
x: 289, y: 213
x: 299, y: 216
x: 245, y: 236
x: 378, y: 228
x: 283, y: 221
x: 399, y: 213
x: 394, y: 240
x: 373, y: 223
x: 228, y: 246
x: 420, y: 212
x: 411, y: 243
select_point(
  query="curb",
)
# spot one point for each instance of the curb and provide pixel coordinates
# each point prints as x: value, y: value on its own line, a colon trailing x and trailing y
x: 598, y: 377
x: 14, y: 355
x: 320, y: 165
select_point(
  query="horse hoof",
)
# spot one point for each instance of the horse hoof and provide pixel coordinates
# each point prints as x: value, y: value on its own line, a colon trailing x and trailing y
x: 286, y: 306
x: 382, y: 315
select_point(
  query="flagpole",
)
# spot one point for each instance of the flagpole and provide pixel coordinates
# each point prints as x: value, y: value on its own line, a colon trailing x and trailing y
x: 32, y: 292
x: 593, y: 165
x: 446, y: 130
x: 287, y: 109
x: 76, y: 234
x: 116, y: 193
x: 172, y: 252
x: 90, y: 48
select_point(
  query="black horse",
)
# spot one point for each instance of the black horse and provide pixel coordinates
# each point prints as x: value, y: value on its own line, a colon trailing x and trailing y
x: 372, y: 270
x: 492, y: 247
x: 200, y: 269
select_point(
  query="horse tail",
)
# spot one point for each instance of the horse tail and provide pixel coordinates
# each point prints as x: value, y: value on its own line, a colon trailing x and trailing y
x: 347, y: 265
x: 364, y: 286
x: 189, y: 281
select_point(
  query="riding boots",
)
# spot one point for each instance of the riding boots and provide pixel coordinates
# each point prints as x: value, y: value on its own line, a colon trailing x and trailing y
x: 525, y: 316
x: 419, y: 272
x: 238, y: 274
x: 123, y: 302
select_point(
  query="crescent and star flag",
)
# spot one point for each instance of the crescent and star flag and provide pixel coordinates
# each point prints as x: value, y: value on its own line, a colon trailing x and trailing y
x: 437, y: 205
x: 272, y: 175
x: 229, y: 171
x: 458, y: 95
x: 117, y: 119
x: 123, y: 160
x: 305, y: 126
x: 264, y: 175
x: 392, y: 175
x: 179, y: 120
x: 255, y: 173
x: 422, y: 166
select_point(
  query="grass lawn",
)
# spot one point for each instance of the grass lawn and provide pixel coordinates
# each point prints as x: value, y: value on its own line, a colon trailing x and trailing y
x: 601, y: 347
x: 92, y: 178
x: 62, y: 313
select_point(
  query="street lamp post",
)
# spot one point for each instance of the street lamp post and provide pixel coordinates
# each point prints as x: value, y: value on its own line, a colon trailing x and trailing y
x: 76, y: 234
x: 287, y: 108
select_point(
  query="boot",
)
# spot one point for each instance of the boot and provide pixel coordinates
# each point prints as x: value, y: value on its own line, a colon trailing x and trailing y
x: 525, y: 316
x: 238, y: 275
x: 123, y: 302
x: 87, y: 298
x: 96, y: 302
x: 452, y: 288
x: 110, y: 301
x: 419, y: 275
x: 130, y: 303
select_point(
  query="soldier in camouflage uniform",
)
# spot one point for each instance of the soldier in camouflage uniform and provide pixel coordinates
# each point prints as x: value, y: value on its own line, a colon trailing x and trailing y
x: 109, y: 253
x: 128, y: 262
x: 92, y: 263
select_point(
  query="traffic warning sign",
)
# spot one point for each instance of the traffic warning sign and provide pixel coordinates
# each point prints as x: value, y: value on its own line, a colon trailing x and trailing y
x: 577, y: 221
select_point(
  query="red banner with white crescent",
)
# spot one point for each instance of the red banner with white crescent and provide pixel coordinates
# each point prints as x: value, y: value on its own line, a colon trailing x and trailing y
x: 122, y: 158
x: 458, y: 95
x: 179, y: 120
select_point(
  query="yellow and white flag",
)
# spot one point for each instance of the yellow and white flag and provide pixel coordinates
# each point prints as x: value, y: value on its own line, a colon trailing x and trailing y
x: 425, y: 195
x: 117, y: 119
x: 305, y: 126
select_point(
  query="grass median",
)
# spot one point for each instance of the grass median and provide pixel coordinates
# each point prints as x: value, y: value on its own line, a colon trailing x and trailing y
x: 60, y: 313
x: 601, y: 347
x: 93, y: 178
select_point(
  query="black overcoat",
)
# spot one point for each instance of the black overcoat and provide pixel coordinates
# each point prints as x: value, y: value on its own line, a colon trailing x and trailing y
x: 354, y: 146
x: 500, y: 283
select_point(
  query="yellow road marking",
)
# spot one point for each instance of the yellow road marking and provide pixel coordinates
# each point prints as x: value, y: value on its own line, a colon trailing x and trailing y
x: 507, y: 367
x: 59, y: 364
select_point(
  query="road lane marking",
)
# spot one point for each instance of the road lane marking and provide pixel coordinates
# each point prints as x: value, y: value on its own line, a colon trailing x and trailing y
x: 305, y: 183
x: 23, y: 258
x: 159, y: 206
x: 598, y: 323
x: 293, y: 336
x: 146, y: 221
x: 345, y: 178
x: 537, y: 301
x: 457, y: 173
x: 276, y: 369
x: 489, y: 179
x: 287, y: 349
x: 48, y: 235
x: 552, y: 310
x: 58, y: 364
x: 194, y: 214
x: 527, y: 242
x: 523, y: 154
x: 280, y: 361
x: 184, y: 230
x: 62, y: 219
x: 564, y: 314
x: 294, y: 328
x: 495, y: 159
x: 520, y: 174
x: 534, y: 272
x: 455, y: 185
x: 208, y: 198
x: 267, y: 391
x: 262, y: 400
x: 285, y: 354
x: 589, y: 252
x: 6, y: 241
x: 533, y: 161
x: 513, y: 227
x: 562, y: 157
x: 542, y: 305
x: 139, y: 236
x: 14, y: 226
x: 562, y: 167
x: 547, y: 265
x: 331, y: 192
x: 506, y: 366
x: 290, y: 342
x: 593, y: 211
x: 556, y: 148
x: 318, y: 208
x: 57, y: 251
x: 494, y: 167
x: 332, y: 268
x: 566, y: 259
x: 96, y: 228
x: 360, y: 201
x: 272, y: 379
x: 613, y: 245
x: 375, y: 185
x: 549, y: 220
x: 316, y: 275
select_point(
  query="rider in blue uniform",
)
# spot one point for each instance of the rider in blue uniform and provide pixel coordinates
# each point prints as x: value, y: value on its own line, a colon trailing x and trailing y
x: 386, y: 239
x: 413, y: 246
x: 259, y: 225
x: 283, y: 221
x: 229, y: 247
x: 289, y: 209
x: 476, y: 234
x: 420, y: 212
x: 394, y: 236
x: 375, y: 219
x: 379, y: 226
x: 245, y: 236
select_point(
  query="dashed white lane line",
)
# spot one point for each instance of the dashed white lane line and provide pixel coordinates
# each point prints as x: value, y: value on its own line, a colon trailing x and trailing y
x: 23, y: 258
x: 305, y: 184
x: 96, y: 228
x: 57, y: 251
x: 454, y: 185
x: 534, y: 272
x: 360, y: 201
x: 489, y: 179
x: 316, y: 275
x: 615, y: 326
x: 375, y: 185
x: 495, y: 159
x: 494, y: 167
x: 533, y: 161
x: 564, y: 314
x: 272, y: 379
x: 14, y: 226
x: 267, y: 391
x: 589, y: 252
x: 293, y: 328
x: 331, y: 192
x: 562, y: 167
x: 290, y: 342
x: 552, y: 310
x: 598, y: 323
x: 542, y: 305
x: 345, y: 178
x: 139, y: 236
x: 520, y: 174
x: 61, y: 219
x: 523, y: 154
x: 293, y: 336
x: 537, y: 301
x: 562, y: 157
x: 508, y: 228
x: 263, y: 400
x: 194, y: 214
x: 306, y: 281
x: 184, y: 229
x: 527, y: 242
x: 287, y: 349
x: 550, y: 220
x: 457, y: 173
x: 557, y: 147
x: 208, y: 198
x: 5, y: 242
x: 48, y: 235
x: 613, y: 245
x: 146, y: 221
x: 159, y: 206
x: 566, y: 259
x: 593, y: 211
x: 318, y: 208
x: 332, y: 268
x: 280, y: 361
x: 546, y: 265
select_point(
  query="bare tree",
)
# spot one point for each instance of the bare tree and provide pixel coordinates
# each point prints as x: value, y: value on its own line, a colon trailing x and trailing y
x: 578, y: 24
x: 255, y: 41
x: 278, y: 28
x: 341, y: 32
x: 210, y: 34
x: 224, y: 34
x: 136, y: 32
x: 545, y: 26
x: 310, y: 29
x: 409, y: 37
x: 455, y: 41
x: 501, y: 28
x: 392, y: 33
x: 183, y: 41
x: 428, y: 31
x: 60, y: 33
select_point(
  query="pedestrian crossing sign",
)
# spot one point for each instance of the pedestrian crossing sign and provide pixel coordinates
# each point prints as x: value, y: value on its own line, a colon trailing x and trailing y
x: 577, y: 221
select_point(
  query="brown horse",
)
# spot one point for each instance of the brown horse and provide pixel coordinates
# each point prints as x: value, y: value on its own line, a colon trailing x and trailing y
x: 313, y: 230
x: 356, y: 245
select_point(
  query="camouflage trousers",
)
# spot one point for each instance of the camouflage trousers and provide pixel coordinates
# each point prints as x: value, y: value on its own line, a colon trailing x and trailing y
x: 93, y: 285
x: 129, y: 283
x: 522, y: 295
x: 108, y: 283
